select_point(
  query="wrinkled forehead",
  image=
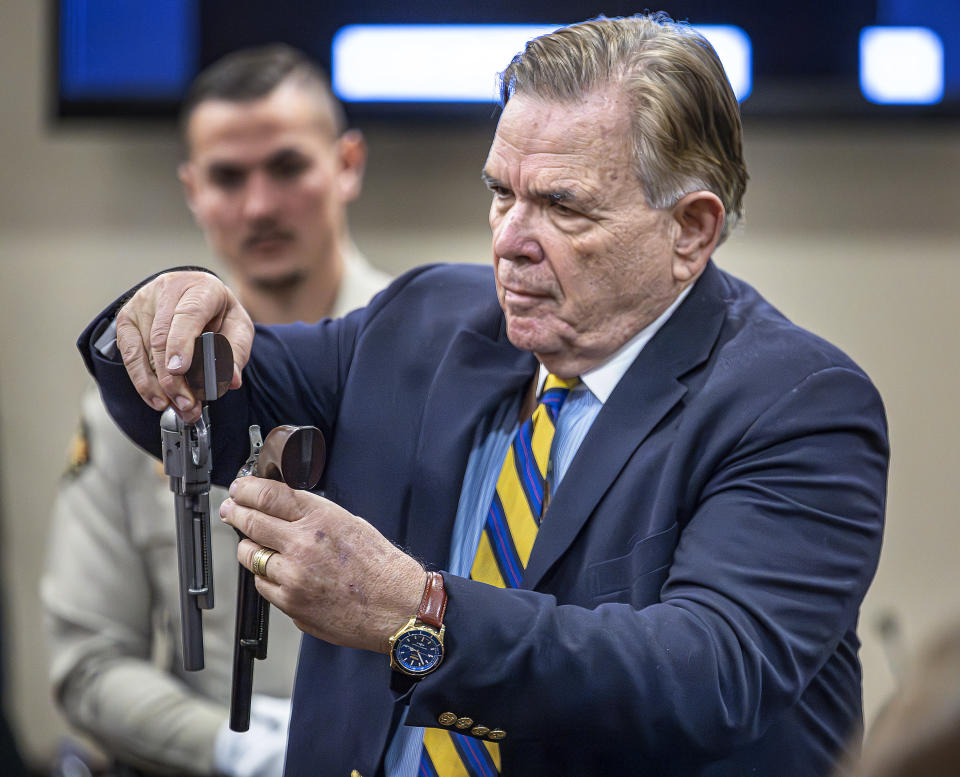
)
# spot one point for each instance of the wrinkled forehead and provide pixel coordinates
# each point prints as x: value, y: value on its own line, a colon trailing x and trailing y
x: 595, y: 129
x: 601, y: 114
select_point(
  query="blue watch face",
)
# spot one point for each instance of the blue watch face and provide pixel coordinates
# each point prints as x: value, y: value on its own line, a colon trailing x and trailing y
x: 418, y: 651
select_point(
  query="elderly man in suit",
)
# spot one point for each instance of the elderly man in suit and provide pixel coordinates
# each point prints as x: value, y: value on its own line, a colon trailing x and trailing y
x: 601, y: 510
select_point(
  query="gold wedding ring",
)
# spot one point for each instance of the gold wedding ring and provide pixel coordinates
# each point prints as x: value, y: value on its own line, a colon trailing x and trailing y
x: 260, y: 559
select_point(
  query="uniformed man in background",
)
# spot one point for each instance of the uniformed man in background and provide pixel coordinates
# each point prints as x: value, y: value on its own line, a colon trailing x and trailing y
x: 270, y: 168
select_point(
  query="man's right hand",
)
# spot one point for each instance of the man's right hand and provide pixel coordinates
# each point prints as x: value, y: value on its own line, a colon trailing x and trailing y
x: 156, y: 330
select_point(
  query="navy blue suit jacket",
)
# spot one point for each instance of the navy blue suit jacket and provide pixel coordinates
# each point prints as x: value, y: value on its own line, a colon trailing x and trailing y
x: 691, y: 601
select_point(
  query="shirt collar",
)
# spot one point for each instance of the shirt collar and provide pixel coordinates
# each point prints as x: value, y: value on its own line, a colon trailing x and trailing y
x: 603, y: 379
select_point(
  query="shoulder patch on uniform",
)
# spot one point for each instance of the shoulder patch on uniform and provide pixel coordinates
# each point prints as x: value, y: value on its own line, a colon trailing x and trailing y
x: 78, y: 453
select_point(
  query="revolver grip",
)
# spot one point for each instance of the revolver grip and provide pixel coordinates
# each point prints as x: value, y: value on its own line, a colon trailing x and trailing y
x: 295, y: 455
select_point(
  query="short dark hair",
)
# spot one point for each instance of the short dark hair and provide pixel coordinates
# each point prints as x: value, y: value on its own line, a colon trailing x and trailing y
x: 252, y: 73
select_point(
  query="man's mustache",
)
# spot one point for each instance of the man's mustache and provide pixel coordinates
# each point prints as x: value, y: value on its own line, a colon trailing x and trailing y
x: 266, y: 233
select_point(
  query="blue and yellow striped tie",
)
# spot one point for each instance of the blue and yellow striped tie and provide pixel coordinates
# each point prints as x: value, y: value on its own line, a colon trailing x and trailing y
x: 505, y: 545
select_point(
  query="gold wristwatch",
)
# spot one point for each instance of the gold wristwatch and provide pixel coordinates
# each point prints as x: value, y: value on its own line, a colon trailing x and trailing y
x: 417, y: 648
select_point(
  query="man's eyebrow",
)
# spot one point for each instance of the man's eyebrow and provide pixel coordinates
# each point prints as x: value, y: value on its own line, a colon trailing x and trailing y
x: 558, y: 196
x: 221, y: 166
x: 578, y: 198
x: 285, y: 154
x: 489, y: 180
x: 553, y: 196
x: 221, y: 163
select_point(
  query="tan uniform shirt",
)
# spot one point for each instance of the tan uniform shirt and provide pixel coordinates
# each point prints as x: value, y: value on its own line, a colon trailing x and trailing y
x: 111, y: 594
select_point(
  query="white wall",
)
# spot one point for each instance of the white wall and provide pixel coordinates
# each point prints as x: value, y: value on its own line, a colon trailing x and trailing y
x: 851, y: 230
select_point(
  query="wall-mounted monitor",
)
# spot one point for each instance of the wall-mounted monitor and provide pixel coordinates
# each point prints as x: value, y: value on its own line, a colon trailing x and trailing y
x: 433, y: 60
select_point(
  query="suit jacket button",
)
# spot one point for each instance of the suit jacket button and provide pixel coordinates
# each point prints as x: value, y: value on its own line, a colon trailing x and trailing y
x: 463, y: 722
x: 447, y: 718
x: 479, y: 731
x: 355, y: 773
x: 497, y: 734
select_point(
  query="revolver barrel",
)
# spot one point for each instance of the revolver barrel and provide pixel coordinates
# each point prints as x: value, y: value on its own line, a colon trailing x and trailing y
x: 295, y: 455
x: 188, y: 462
x: 186, y: 459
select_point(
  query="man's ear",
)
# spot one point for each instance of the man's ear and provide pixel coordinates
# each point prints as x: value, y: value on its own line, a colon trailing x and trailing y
x: 188, y: 177
x: 352, y: 153
x: 698, y: 218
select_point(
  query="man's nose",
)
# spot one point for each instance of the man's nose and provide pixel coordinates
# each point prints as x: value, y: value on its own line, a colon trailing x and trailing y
x: 261, y: 198
x: 515, y: 234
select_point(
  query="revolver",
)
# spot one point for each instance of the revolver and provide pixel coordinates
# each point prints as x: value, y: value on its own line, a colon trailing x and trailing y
x: 296, y: 456
x: 187, y: 461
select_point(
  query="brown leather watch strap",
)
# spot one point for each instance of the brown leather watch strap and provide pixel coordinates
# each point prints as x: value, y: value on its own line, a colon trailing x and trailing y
x: 434, y: 602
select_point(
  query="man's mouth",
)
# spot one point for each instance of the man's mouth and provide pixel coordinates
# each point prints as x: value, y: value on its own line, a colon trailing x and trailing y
x: 522, y: 295
x: 267, y: 240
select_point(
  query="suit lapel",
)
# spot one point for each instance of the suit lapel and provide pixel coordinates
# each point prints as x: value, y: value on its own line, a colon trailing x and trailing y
x: 645, y: 394
x: 475, y: 375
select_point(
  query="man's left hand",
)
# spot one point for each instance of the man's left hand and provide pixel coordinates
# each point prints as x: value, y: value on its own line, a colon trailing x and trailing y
x: 334, y: 574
